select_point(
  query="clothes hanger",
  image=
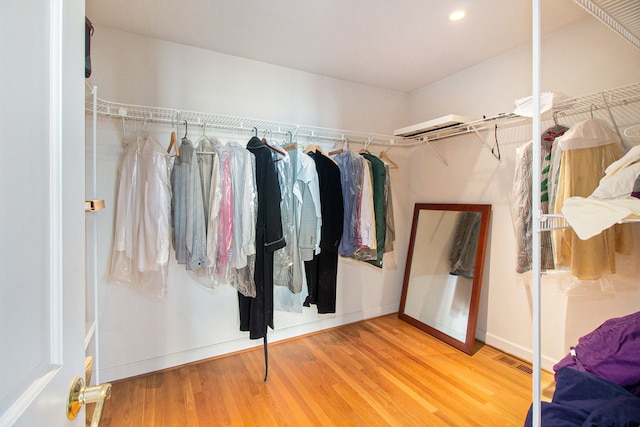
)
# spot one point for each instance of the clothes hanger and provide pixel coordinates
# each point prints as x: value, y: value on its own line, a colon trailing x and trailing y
x: 339, y: 150
x: 290, y: 145
x: 173, y: 143
x: 366, y: 145
x: 392, y: 165
x: 203, y: 136
x: 310, y: 148
x: 265, y: 142
x: 186, y: 129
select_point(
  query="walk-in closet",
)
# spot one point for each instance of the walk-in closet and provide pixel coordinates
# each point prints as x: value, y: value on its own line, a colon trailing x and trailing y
x: 329, y: 213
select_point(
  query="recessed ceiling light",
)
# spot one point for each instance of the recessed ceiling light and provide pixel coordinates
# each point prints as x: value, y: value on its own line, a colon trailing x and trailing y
x: 456, y: 15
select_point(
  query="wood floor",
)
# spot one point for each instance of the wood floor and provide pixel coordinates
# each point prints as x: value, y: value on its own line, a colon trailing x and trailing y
x: 378, y: 372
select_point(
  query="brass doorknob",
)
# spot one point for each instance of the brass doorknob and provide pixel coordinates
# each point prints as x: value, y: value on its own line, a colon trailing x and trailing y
x: 80, y: 395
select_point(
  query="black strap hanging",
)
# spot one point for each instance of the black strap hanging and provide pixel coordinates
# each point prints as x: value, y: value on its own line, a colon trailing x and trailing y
x: 266, y: 357
x: 496, y: 148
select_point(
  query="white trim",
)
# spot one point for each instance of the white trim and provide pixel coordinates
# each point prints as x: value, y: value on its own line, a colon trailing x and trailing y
x: 55, y: 182
x: 519, y: 351
x: 326, y: 321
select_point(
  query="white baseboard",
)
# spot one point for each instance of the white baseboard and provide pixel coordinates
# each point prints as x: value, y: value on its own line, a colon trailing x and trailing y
x: 324, y: 321
x: 518, y: 351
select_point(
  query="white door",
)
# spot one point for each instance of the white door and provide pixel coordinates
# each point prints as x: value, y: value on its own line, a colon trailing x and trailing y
x: 42, y: 255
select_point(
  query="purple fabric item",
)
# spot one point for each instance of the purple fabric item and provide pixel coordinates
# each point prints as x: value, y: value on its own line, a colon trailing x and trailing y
x: 636, y: 188
x: 611, y: 351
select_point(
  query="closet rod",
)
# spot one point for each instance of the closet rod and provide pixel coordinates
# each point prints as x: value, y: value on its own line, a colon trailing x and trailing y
x: 241, y: 124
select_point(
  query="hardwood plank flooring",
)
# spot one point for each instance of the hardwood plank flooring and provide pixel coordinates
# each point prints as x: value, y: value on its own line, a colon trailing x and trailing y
x: 378, y: 372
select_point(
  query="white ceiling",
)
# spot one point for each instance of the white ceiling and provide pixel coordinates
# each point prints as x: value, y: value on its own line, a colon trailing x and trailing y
x: 399, y: 45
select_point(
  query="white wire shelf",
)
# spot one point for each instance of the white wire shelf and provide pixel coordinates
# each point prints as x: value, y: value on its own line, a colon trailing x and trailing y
x: 622, y: 16
x: 296, y: 132
x: 585, y: 104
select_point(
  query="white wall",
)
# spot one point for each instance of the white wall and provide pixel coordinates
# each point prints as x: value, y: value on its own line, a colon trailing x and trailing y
x: 140, y: 333
x: 581, y: 59
x: 146, y: 71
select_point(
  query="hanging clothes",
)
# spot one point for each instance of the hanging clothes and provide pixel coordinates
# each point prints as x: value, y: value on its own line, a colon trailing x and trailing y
x: 205, y: 156
x: 245, y: 201
x: 225, y: 219
x: 366, y: 225
x: 189, y: 234
x: 322, y: 270
x: 351, y: 175
x: 309, y: 212
x: 256, y: 314
x: 286, y: 260
x: 522, y: 214
x: 308, y: 221
x: 586, y: 151
x: 209, y: 166
x: 615, y: 198
x: 546, y: 148
x: 390, y: 226
x: 378, y: 173
x: 296, y: 172
x: 142, y: 231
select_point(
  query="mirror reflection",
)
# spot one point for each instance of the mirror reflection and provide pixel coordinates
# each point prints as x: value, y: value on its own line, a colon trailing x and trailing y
x: 444, y: 271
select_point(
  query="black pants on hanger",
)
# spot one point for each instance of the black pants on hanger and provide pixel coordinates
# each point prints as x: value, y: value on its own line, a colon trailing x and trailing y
x: 322, y: 274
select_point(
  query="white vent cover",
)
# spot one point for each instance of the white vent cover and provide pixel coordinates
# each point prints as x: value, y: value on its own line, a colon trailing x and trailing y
x: 432, y: 125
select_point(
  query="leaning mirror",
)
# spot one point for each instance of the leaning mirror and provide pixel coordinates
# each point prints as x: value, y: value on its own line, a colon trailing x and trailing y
x: 443, y: 274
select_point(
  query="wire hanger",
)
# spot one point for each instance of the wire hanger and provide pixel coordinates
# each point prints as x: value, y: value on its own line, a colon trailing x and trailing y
x: 203, y: 137
x: 186, y: 129
x: 592, y: 109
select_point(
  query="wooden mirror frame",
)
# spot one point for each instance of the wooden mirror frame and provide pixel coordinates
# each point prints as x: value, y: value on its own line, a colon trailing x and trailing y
x: 485, y: 210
